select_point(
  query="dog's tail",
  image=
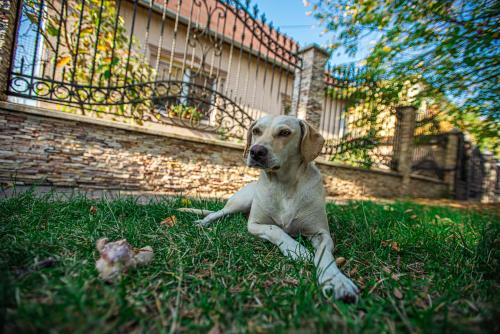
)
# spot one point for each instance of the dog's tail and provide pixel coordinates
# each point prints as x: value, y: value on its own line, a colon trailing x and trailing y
x: 195, y: 211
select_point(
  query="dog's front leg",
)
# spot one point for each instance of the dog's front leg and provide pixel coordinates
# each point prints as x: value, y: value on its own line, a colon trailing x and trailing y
x: 329, y: 276
x: 287, y: 245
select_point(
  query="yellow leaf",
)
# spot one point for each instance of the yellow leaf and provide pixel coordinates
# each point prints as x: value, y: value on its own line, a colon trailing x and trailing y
x: 87, y: 30
x: 386, y: 49
x: 101, y: 47
x: 63, y: 61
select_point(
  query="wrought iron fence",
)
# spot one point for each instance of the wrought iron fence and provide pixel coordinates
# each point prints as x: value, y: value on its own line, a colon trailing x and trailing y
x: 206, y: 64
x: 432, y: 136
x: 358, y: 128
x: 429, y: 155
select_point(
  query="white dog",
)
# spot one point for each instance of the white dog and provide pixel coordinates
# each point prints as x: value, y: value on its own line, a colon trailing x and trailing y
x: 288, y: 198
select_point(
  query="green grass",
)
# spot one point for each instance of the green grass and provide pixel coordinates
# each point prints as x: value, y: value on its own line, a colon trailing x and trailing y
x: 443, y: 278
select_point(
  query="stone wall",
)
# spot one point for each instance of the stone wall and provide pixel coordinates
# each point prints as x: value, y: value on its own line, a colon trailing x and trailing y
x: 52, y: 148
x: 350, y: 182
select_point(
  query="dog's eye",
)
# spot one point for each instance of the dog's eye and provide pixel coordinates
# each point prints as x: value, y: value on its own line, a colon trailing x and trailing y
x: 284, y: 133
x: 256, y: 132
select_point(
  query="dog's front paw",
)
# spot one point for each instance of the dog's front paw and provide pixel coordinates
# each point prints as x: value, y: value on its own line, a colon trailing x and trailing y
x: 201, y: 223
x: 210, y: 218
x: 342, y: 287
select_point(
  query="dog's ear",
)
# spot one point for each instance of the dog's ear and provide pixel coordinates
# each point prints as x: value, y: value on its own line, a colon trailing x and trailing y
x: 249, y: 139
x: 311, y: 143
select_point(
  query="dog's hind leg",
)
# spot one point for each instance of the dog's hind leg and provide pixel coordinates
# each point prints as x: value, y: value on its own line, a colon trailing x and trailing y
x: 241, y: 201
x: 200, y: 212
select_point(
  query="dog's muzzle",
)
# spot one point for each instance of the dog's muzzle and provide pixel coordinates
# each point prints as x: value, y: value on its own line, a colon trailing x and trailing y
x: 258, y: 156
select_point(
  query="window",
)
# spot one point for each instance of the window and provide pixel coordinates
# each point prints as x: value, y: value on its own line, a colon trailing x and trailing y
x: 200, y: 93
x: 194, y: 91
x: 172, y: 96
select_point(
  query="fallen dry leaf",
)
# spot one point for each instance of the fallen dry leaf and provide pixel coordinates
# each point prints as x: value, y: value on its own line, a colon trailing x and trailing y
x: 215, y: 330
x: 389, y: 243
x: 340, y: 261
x: 203, y: 273
x: 361, y: 283
x: 397, y: 293
x: 268, y: 283
x: 235, y: 289
x: 191, y: 313
x: 353, y: 272
x: 395, y: 246
x: 169, y: 221
x: 291, y: 281
x: 93, y: 210
x: 413, y: 217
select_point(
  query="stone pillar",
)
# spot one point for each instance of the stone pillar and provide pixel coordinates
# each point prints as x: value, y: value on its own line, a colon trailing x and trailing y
x: 8, y: 11
x: 403, y: 152
x: 309, y: 85
x: 489, y: 194
x: 451, y: 159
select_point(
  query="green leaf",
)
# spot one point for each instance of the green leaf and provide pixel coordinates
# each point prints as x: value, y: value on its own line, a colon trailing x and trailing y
x: 52, y: 30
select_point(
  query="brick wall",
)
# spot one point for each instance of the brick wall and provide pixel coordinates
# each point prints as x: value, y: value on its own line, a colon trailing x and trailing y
x: 57, y: 149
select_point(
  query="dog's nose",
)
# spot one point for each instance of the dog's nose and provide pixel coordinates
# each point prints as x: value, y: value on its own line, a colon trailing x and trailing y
x: 258, y: 152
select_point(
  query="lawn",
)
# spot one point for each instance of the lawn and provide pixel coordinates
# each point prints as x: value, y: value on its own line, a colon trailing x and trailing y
x: 421, y: 269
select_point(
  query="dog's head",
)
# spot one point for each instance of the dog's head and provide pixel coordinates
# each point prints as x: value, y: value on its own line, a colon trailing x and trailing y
x: 274, y: 141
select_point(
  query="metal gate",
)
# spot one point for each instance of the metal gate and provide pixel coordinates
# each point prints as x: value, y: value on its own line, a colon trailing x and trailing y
x: 470, y: 176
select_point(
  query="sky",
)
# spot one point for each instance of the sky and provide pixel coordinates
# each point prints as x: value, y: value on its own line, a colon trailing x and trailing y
x: 290, y: 16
